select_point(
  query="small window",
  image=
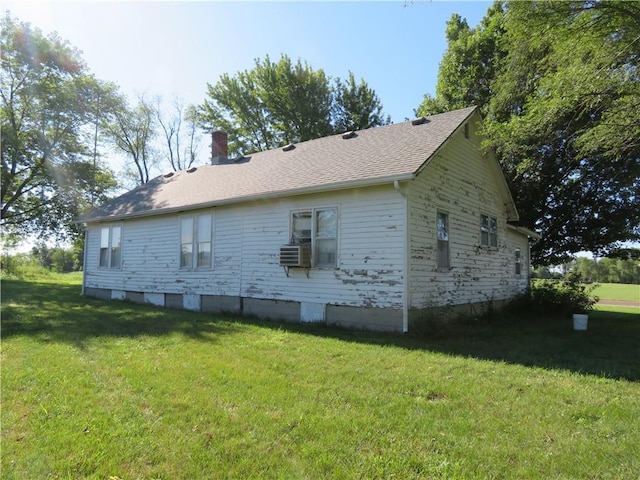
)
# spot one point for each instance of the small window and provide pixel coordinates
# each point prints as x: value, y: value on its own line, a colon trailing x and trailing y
x: 186, y: 243
x: 204, y: 241
x: 442, y: 228
x: 110, y: 247
x: 488, y: 231
x: 104, y: 247
x: 116, y: 251
x: 326, y: 232
x: 196, y: 235
x: 301, y: 228
x: 518, y: 260
x: 319, y: 229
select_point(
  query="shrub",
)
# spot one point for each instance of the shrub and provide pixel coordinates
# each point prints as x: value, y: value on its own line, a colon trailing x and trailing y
x: 562, y: 297
x: 8, y: 265
x: 22, y: 266
x: 62, y: 261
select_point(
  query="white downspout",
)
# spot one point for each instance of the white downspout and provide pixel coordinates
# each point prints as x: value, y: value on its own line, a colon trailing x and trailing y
x: 84, y: 258
x: 406, y: 253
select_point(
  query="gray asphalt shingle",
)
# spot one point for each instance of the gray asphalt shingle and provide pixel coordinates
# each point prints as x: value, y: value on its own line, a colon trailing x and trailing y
x: 371, y: 156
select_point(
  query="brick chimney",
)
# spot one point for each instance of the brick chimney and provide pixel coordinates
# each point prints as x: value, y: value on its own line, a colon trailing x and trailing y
x: 219, y: 151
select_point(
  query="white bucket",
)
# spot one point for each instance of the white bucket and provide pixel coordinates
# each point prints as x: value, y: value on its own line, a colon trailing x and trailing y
x: 580, y: 321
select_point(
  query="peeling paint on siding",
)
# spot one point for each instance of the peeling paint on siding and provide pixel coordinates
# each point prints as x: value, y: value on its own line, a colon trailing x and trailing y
x: 246, y: 244
x: 465, y: 189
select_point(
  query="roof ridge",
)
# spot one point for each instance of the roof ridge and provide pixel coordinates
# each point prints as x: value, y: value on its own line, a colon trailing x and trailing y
x: 389, y: 125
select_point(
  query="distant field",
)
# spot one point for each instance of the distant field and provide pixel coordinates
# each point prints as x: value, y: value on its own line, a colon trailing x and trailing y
x: 618, y: 291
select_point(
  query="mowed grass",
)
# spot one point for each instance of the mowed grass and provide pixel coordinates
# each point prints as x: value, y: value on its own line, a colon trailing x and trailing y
x: 618, y: 291
x: 95, y: 389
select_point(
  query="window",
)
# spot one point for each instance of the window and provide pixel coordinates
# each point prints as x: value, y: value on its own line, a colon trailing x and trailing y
x: 196, y: 241
x: 204, y: 241
x: 110, y: 247
x: 488, y: 231
x: 301, y: 228
x: 442, y: 229
x: 326, y: 238
x: 318, y: 228
x: 186, y: 242
x: 104, y: 246
x: 518, y: 259
x: 116, y: 250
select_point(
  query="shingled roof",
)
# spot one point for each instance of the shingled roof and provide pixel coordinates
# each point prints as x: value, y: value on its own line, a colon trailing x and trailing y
x: 367, y: 157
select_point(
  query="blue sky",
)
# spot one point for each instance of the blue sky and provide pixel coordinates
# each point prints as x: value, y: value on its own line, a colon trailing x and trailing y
x: 175, y: 48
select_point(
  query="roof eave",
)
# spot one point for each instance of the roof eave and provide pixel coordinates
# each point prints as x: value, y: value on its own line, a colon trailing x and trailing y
x: 370, y: 182
x: 525, y: 231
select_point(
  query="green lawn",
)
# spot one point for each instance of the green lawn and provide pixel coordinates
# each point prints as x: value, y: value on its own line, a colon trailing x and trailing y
x: 96, y: 389
x: 617, y: 291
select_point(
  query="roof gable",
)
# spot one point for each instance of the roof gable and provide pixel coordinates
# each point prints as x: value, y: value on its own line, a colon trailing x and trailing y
x: 367, y: 157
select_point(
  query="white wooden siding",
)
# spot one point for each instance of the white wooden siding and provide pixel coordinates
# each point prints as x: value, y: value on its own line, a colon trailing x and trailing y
x: 246, y: 244
x: 458, y: 181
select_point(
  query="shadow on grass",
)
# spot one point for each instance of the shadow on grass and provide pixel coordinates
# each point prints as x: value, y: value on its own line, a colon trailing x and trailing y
x: 609, y: 348
x: 54, y: 312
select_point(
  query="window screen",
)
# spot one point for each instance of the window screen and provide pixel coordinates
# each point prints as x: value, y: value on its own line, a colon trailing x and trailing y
x: 186, y: 242
x: 442, y: 228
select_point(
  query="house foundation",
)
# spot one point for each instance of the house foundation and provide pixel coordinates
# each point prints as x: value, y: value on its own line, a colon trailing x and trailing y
x: 361, y: 318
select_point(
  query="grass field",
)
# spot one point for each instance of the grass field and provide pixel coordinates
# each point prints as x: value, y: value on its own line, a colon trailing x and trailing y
x: 617, y: 291
x: 96, y: 390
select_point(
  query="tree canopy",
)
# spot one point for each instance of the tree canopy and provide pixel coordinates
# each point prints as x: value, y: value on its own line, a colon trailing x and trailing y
x: 559, y: 85
x: 356, y: 106
x: 470, y: 64
x: 283, y: 102
x: 132, y: 131
x: 607, y: 270
x: 48, y: 171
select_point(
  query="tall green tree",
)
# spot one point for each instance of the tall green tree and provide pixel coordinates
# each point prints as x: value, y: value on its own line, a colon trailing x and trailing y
x: 281, y: 102
x: 235, y: 106
x: 559, y: 84
x: 607, y: 270
x: 48, y: 173
x: 356, y: 106
x: 572, y: 144
x: 132, y: 131
x: 470, y: 64
x: 297, y: 98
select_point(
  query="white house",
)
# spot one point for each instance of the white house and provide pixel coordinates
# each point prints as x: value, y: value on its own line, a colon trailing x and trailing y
x: 367, y: 229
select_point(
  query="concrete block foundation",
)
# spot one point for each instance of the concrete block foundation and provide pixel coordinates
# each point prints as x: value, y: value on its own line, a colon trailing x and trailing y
x: 221, y: 304
x: 271, y: 309
x: 363, y: 318
x: 379, y: 319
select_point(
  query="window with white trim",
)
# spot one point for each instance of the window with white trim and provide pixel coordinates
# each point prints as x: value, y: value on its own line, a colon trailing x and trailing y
x: 442, y: 233
x: 110, y: 247
x: 318, y: 228
x: 196, y: 235
x: 518, y: 260
x: 488, y: 231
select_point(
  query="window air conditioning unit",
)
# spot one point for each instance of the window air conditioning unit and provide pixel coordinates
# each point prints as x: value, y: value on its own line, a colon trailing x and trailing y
x: 295, y: 256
